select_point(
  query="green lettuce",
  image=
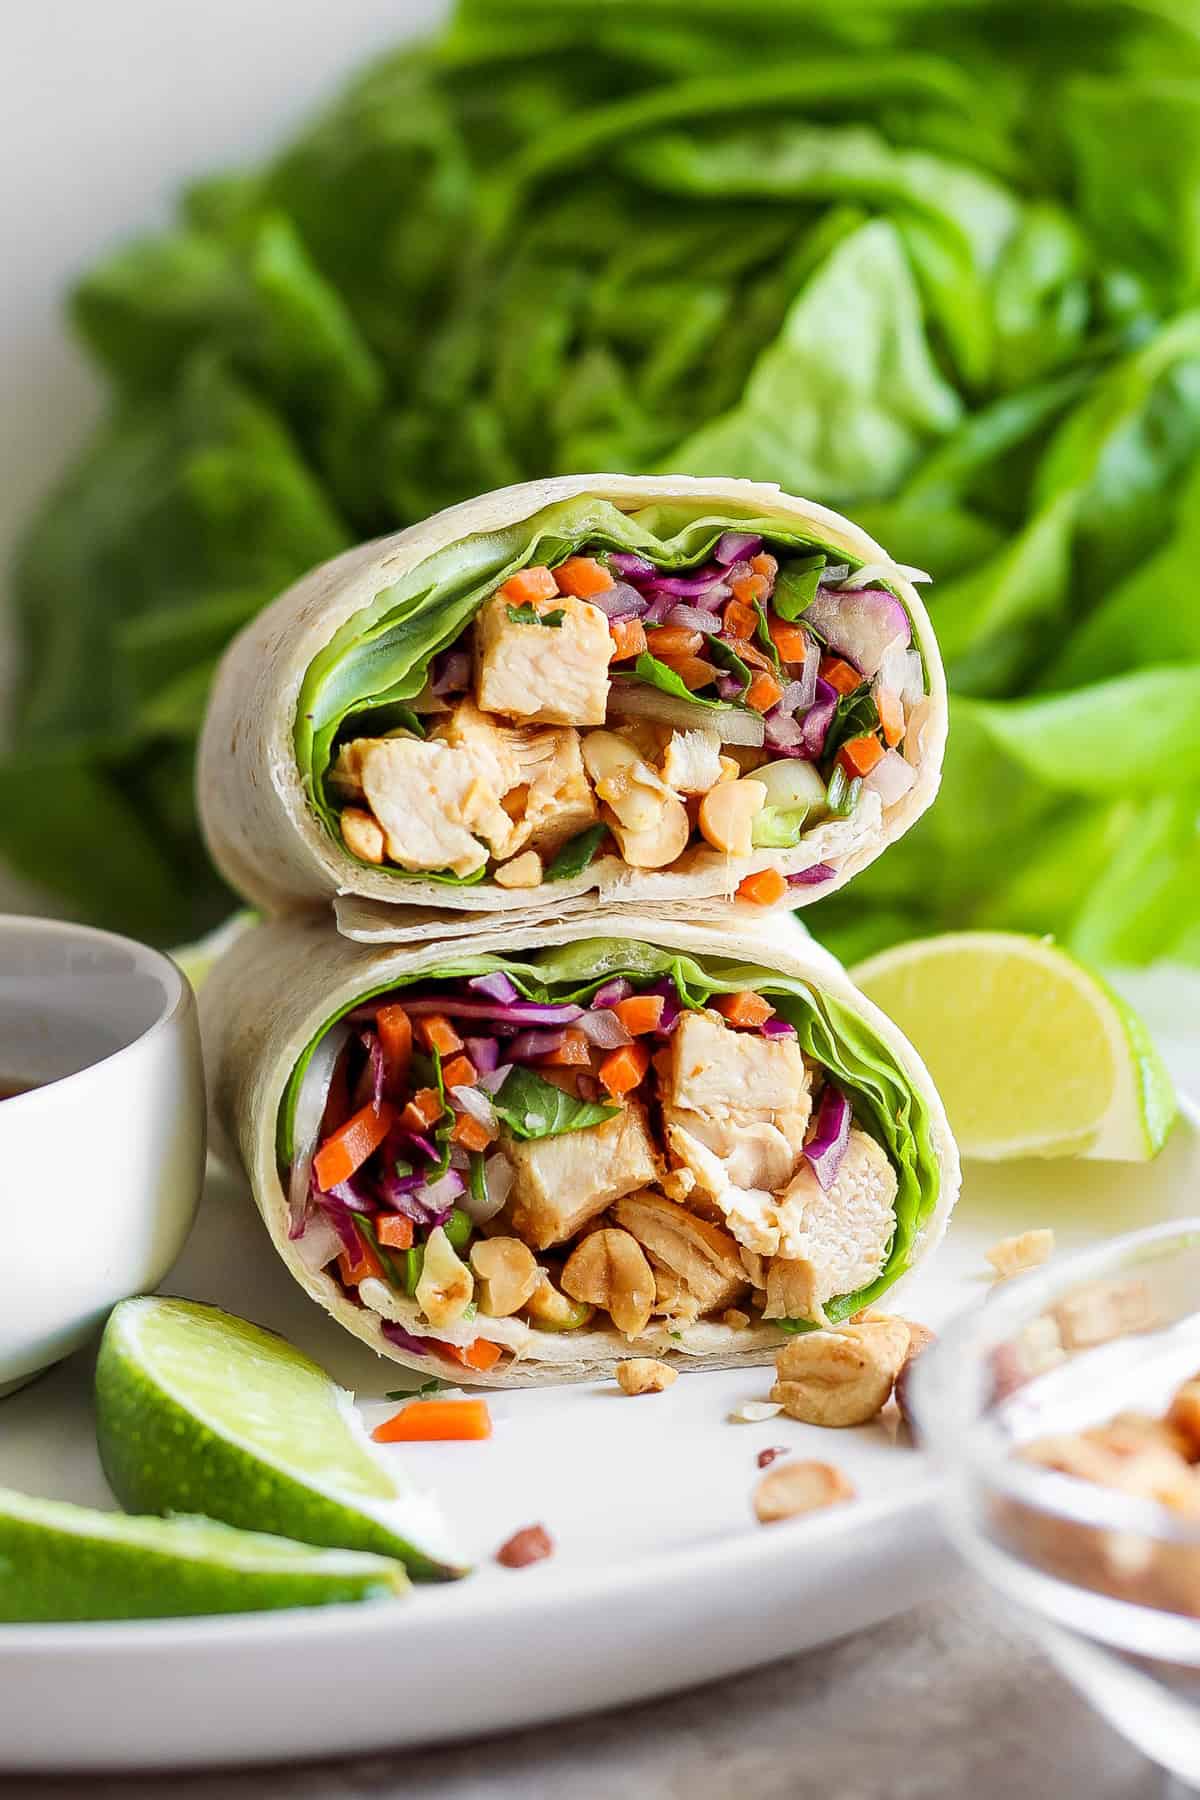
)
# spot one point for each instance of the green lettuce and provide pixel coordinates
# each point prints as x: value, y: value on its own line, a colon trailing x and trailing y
x: 830, y: 1032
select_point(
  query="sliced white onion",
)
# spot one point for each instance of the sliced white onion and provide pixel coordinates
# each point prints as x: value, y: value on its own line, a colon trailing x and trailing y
x: 883, y: 571
x: 306, y: 1120
x: 808, y: 674
x: 471, y: 1100
x: 891, y: 778
x: 494, y: 1080
x: 603, y: 1028
x: 497, y: 1181
x: 319, y: 1242
x: 731, y: 724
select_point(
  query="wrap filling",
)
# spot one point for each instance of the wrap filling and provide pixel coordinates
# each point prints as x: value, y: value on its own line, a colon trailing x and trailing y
x: 655, y: 687
x: 610, y: 1138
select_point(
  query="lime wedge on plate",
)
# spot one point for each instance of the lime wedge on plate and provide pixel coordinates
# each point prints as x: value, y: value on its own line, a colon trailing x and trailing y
x: 199, y: 1412
x: 60, y: 1562
x: 1033, y: 1054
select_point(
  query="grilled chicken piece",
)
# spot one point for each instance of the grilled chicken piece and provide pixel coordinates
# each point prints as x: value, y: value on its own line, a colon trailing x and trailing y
x: 555, y: 673
x: 733, y: 1074
x: 832, y: 1242
x: 754, y: 1153
x: 434, y: 802
x: 559, y: 1183
x: 703, y: 1256
x: 691, y: 763
x: 545, y: 790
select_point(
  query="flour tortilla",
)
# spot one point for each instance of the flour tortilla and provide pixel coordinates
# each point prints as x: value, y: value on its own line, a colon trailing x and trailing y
x: 281, y: 982
x: 273, y: 848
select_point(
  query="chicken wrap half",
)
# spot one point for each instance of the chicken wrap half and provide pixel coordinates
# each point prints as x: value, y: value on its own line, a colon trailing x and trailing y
x: 519, y: 1165
x: 580, y: 692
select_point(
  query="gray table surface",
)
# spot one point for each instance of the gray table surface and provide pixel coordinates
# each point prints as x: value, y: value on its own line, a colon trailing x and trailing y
x: 950, y: 1702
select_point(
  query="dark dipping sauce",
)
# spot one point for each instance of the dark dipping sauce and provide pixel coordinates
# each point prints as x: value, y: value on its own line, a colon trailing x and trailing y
x: 10, y: 1087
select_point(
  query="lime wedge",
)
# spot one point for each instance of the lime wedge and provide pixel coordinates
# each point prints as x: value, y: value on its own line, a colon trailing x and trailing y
x: 60, y: 1562
x: 199, y: 1412
x: 1033, y: 1053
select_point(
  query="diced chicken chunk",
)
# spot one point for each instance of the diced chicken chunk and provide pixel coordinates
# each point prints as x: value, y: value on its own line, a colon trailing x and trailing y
x: 544, y: 787
x: 754, y: 1153
x: 434, y: 803
x: 725, y: 1073
x: 841, y: 1236
x: 556, y: 673
x: 559, y: 1183
x: 703, y: 1256
x: 691, y: 763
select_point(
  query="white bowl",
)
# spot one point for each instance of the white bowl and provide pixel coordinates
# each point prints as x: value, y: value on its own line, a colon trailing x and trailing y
x: 101, y: 1166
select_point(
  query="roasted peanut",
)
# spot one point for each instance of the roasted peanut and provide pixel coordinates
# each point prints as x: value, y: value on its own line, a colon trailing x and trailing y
x: 508, y: 1274
x: 361, y: 834
x: 727, y: 814
x: 644, y: 1375
x: 794, y: 1488
x: 524, y: 871
x: 446, y: 1286
x: 1014, y: 1255
x: 548, y: 1310
x: 841, y: 1377
x: 608, y: 1269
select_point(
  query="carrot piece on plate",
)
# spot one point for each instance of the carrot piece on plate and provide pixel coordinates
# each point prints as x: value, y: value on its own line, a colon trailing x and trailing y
x: 436, y: 1421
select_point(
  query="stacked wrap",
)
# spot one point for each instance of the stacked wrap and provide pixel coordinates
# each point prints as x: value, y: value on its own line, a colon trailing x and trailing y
x: 260, y: 787
x: 364, y: 632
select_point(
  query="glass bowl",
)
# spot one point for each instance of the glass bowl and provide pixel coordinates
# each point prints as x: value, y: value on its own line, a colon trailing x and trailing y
x: 1108, y: 1581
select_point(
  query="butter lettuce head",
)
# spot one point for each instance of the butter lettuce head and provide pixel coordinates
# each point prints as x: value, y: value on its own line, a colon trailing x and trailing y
x: 884, y: 1102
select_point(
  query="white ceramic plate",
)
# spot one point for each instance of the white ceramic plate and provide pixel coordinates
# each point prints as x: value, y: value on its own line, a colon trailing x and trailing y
x: 661, y: 1577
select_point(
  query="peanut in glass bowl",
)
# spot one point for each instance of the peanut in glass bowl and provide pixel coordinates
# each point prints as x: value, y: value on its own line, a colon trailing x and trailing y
x: 1108, y: 1580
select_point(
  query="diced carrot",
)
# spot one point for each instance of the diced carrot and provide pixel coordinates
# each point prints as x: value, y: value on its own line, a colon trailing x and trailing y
x: 460, y: 1071
x: 789, y: 640
x: 764, y: 564
x: 582, y: 576
x: 640, y: 1013
x: 349, y: 1146
x: 674, y: 640
x: 480, y: 1354
x: 859, y: 755
x: 622, y: 1069
x: 471, y: 1132
x: 628, y: 639
x: 395, y: 1036
x: 394, y: 1231
x: 575, y: 1052
x: 436, y: 1421
x: 422, y: 1111
x: 740, y: 620
x: 840, y: 675
x: 365, y: 1266
x: 749, y: 588
x: 528, y: 585
x: 763, y: 692
x: 766, y: 888
x: 693, y: 671
x: 744, y: 1008
x: 437, y: 1033
x: 891, y: 715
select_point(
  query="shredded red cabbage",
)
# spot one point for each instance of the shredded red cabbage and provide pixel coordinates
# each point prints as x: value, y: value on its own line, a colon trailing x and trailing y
x: 451, y: 673
x: 620, y: 601
x: 404, y: 1340
x: 632, y: 566
x: 619, y: 988
x: 519, y: 1014
x: 733, y: 546
x: 817, y: 720
x: 528, y: 1044
x: 811, y: 877
x: 827, y: 1146
x: 496, y: 986
x: 484, y: 1053
x: 776, y: 1027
